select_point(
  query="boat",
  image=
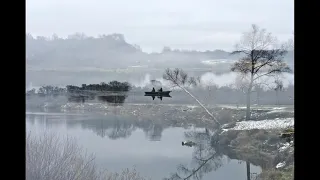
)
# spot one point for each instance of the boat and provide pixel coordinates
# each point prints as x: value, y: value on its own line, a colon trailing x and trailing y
x: 157, y: 93
x: 163, y: 93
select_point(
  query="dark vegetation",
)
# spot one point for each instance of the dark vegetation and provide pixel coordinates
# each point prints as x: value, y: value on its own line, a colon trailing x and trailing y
x: 113, y: 92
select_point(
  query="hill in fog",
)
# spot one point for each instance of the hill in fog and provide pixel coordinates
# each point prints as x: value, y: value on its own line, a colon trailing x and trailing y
x: 112, y: 51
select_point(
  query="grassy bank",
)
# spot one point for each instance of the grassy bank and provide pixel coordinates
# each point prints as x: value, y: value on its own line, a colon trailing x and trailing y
x: 264, y: 148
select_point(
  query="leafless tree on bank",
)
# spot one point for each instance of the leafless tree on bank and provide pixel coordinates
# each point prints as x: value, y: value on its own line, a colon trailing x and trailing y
x: 261, y: 58
x: 179, y: 78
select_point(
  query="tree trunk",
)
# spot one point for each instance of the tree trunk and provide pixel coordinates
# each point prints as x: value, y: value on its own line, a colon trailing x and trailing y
x: 248, y: 114
x: 277, y: 98
x: 258, y: 97
x: 210, y: 114
x: 248, y: 170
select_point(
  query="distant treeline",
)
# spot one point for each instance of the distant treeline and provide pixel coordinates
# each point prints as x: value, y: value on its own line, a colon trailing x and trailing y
x: 54, y: 90
x: 111, y: 86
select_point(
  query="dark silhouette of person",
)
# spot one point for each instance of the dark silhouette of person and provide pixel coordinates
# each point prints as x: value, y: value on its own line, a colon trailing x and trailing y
x: 153, y: 90
x: 160, y: 90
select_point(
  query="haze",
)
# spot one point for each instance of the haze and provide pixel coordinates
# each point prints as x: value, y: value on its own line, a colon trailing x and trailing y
x: 179, y: 24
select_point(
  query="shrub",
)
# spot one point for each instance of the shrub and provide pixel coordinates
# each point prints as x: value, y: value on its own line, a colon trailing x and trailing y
x: 49, y: 157
x: 277, y: 175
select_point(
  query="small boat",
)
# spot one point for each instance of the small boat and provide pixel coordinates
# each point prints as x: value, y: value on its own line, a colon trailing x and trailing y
x: 157, y: 93
x: 163, y: 93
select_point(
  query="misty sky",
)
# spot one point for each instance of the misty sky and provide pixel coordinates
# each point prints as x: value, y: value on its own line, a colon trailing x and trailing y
x: 152, y: 24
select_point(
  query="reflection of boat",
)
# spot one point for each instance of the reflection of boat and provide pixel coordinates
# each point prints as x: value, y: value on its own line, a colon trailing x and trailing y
x: 160, y: 97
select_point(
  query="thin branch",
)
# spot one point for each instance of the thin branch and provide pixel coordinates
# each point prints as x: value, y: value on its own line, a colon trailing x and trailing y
x: 196, y: 170
x: 265, y: 74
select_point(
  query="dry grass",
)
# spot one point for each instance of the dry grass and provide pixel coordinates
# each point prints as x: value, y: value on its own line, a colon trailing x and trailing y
x: 49, y: 157
x: 277, y: 175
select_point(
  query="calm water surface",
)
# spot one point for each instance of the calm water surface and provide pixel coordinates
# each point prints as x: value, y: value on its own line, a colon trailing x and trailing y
x: 120, y: 141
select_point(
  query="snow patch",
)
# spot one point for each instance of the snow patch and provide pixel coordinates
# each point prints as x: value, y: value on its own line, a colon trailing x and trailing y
x: 264, y: 124
x: 280, y: 165
x: 284, y: 147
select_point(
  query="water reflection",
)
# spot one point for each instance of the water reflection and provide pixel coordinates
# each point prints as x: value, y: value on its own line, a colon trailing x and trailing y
x: 79, y: 99
x: 205, y: 157
x: 201, y: 161
x: 154, y: 132
x: 111, y: 126
x: 113, y: 100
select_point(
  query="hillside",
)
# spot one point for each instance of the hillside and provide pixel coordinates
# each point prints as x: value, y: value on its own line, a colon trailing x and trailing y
x: 112, y: 51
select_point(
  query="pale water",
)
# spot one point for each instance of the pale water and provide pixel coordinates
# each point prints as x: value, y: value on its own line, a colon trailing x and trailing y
x: 120, y: 141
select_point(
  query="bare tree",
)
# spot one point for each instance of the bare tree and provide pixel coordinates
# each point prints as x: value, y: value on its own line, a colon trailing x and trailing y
x: 261, y: 58
x: 180, y: 79
x: 48, y: 157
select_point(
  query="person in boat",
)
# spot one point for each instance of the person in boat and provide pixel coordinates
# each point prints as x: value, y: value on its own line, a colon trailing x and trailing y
x: 160, y: 90
x: 153, y: 90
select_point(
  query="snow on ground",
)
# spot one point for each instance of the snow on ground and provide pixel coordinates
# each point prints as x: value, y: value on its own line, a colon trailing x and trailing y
x: 271, y: 108
x: 280, y: 165
x: 284, y: 147
x: 264, y: 124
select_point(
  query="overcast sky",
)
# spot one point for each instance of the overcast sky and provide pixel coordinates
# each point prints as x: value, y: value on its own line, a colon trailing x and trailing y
x: 152, y: 24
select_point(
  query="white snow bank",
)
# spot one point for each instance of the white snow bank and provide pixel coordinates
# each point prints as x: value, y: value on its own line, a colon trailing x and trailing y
x: 284, y: 147
x: 264, y: 124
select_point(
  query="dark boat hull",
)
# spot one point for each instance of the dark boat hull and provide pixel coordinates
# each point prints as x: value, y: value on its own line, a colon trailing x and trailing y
x: 163, y: 93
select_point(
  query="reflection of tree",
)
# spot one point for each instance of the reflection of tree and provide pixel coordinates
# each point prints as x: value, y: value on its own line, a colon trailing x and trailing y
x: 79, y: 99
x: 121, y: 129
x: 206, y: 158
x: 154, y: 132
x: 113, y: 100
x: 110, y: 127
